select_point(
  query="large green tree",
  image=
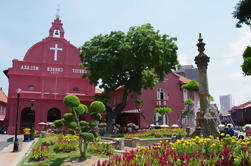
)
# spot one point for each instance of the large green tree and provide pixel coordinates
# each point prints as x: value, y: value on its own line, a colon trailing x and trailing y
x: 133, y: 60
x: 243, y: 12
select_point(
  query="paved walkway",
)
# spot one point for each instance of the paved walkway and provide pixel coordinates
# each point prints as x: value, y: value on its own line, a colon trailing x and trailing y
x: 9, y: 158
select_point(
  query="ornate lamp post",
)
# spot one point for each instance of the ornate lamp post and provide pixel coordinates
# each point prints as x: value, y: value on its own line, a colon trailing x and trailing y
x: 16, y: 148
x: 205, y: 121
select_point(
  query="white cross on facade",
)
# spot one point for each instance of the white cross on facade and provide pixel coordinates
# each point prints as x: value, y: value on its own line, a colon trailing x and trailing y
x: 56, y: 49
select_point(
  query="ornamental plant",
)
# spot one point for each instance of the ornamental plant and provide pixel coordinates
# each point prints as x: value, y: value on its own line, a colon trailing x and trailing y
x: 188, y: 107
x: 191, y: 86
x: 85, y: 131
x: 191, y: 152
x: 40, y: 153
x: 163, y: 110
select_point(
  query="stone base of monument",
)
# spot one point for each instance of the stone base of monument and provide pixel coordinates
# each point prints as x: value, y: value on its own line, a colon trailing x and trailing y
x: 206, y: 125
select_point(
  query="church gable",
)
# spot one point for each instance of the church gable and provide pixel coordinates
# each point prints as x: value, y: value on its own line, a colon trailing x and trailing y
x: 54, y: 49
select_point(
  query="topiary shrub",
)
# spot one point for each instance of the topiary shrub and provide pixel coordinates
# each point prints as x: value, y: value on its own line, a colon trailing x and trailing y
x: 85, y: 131
x: 87, y: 136
x: 191, y: 86
x: 71, y: 101
x: 81, y: 109
x: 188, y: 101
x: 163, y: 110
x: 96, y: 116
x: 97, y: 107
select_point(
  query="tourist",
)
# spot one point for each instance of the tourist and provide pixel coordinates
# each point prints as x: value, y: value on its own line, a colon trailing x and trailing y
x: 230, y: 130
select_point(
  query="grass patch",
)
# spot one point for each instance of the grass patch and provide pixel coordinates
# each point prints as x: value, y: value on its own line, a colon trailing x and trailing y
x: 54, y: 159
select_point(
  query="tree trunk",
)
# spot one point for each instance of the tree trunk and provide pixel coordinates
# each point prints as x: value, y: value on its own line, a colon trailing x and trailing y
x: 113, y: 113
x: 82, y: 153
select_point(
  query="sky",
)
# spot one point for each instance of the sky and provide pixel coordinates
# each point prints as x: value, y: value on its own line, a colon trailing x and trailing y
x: 24, y: 23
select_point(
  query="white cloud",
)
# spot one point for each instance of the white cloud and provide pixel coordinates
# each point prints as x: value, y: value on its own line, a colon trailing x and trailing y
x: 236, y: 48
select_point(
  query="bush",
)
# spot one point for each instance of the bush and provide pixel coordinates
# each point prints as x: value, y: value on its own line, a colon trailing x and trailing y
x: 50, y: 139
x: 101, y: 148
x: 157, y: 133
x: 64, y: 144
x: 81, y: 109
x: 39, y: 153
x: 163, y: 110
x: 188, y: 101
x: 96, y: 116
x: 97, y: 107
x: 116, y: 135
x: 191, y: 86
x: 71, y: 101
x: 87, y: 136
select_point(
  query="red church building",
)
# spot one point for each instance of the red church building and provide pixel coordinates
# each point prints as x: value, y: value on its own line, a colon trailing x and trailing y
x: 49, y: 71
x: 167, y: 93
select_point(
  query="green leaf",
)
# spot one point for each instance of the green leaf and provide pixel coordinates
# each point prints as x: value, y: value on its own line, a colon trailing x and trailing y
x: 68, y: 117
x: 58, y: 123
x: 81, y: 109
x: 191, y: 86
x: 71, y: 101
x: 87, y: 136
x: 96, y: 116
x: 163, y: 110
x: 97, y: 107
x: 188, y: 101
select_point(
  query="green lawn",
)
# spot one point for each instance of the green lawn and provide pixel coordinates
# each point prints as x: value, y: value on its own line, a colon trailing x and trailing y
x: 54, y: 159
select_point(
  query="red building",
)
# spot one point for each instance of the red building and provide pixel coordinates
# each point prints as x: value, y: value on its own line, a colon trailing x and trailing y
x: 3, y: 105
x: 49, y: 71
x: 241, y: 114
x: 167, y: 93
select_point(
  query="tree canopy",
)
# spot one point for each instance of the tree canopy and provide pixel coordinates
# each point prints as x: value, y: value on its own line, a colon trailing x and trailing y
x: 246, y: 65
x: 131, y: 61
x: 134, y: 60
x: 191, y: 85
x: 243, y: 12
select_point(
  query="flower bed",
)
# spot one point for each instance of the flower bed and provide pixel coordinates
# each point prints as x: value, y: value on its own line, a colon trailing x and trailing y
x: 157, y: 133
x: 192, y: 152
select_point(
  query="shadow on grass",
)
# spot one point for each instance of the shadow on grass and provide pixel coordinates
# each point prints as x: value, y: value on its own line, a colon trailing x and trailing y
x: 57, y: 161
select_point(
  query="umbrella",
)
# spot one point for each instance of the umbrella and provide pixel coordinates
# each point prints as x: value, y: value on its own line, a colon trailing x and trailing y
x: 152, y: 125
x: 42, y: 123
x: 246, y: 125
x: 164, y: 125
x: 49, y: 123
x: 175, y: 125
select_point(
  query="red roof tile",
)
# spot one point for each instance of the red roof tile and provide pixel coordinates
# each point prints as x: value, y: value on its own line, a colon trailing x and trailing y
x: 242, y: 106
x: 182, y: 78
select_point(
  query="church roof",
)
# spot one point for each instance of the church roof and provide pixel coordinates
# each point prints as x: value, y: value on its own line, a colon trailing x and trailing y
x: 3, y: 97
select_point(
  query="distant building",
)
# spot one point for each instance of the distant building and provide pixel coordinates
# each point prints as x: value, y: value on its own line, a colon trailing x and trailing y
x: 3, y: 105
x: 167, y: 94
x: 241, y: 114
x: 188, y: 71
x: 226, y: 103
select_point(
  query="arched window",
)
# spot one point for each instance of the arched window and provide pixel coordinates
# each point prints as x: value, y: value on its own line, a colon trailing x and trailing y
x: 56, y: 33
x: 27, y: 118
x: 53, y: 114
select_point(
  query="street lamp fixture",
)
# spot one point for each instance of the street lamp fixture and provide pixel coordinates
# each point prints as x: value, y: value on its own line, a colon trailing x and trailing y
x: 16, y: 143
